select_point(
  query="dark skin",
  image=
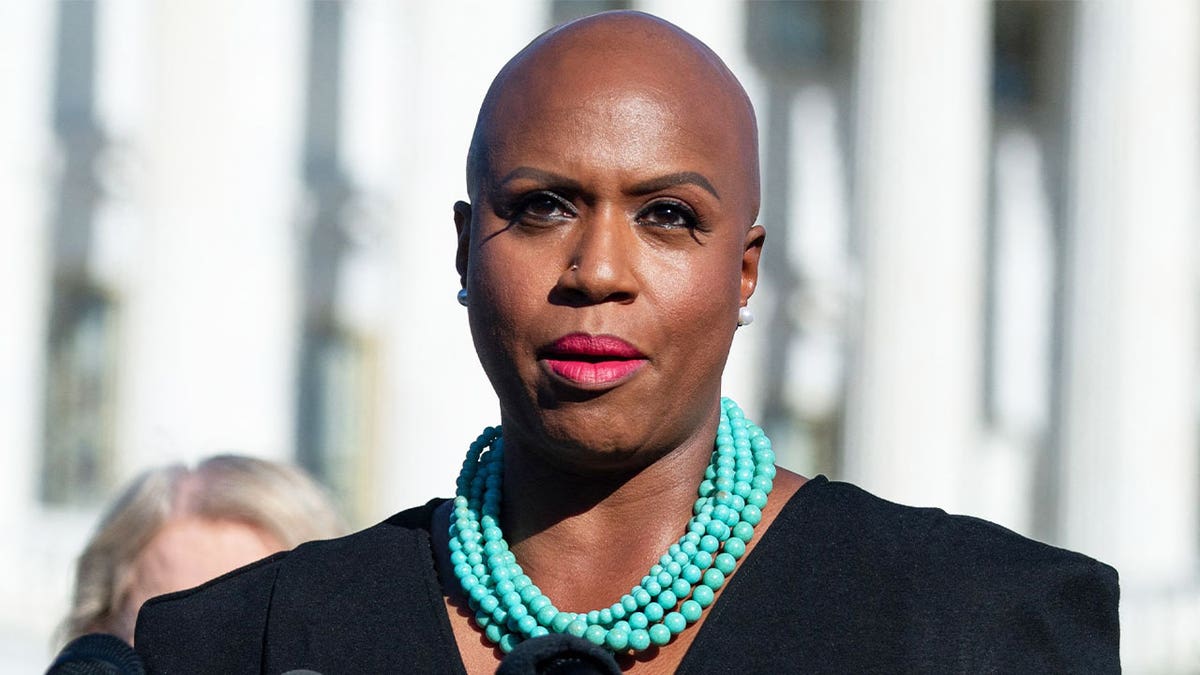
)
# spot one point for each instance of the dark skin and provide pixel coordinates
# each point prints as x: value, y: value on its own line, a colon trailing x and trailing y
x: 614, y: 189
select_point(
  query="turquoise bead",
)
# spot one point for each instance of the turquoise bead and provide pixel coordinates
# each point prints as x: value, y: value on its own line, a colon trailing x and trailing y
x: 691, y: 574
x: 509, y: 641
x: 642, y: 597
x: 638, y: 620
x: 713, y: 578
x: 595, y: 635
x: 577, y: 627
x: 703, y: 595
x: 660, y: 634
x: 757, y: 497
x: 593, y: 617
x: 664, y: 579
x: 653, y: 612
x: 681, y: 588
x: 719, y: 530
x: 675, y: 622
x: 530, y: 592
x: 616, y: 639
x: 725, y: 563
x: 493, y: 632
x: 606, y: 617
x: 703, y: 560
x: 734, y: 546
x: 691, y: 610
x: 539, y: 603
x: 639, y: 639
x: 538, y: 631
x: 629, y: 603
x: 546, y: 614
x: 751, y: 514
x: 526, y: 624
x: 489, y: 604
x: 617, y: 611
x: 518, y: 611
x: 744, y: 531
x: 500, y: 615
x: 667, y: 599
x: 559, y: 624
x: 709, y: 543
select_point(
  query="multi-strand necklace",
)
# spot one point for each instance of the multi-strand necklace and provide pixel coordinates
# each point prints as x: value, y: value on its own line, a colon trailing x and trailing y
x: 510, y: 608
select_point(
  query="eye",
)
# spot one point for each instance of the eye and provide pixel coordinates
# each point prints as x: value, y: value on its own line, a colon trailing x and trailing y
x: 668, y: 214
x: 543, y: 207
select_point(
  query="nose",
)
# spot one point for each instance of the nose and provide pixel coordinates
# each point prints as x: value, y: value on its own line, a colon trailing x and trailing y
x: 600, y: 264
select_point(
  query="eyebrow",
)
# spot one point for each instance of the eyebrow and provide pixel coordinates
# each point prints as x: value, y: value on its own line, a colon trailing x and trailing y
x: 671, y: 180
x: 645, y: 187
x: 547, y: 177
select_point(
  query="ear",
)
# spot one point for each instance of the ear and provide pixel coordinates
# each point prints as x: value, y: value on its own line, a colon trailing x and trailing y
x: 755, y: 237
x: 462, y: 223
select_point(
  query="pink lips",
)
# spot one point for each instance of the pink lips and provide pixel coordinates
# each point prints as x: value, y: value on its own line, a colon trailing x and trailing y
x: 593, y: 359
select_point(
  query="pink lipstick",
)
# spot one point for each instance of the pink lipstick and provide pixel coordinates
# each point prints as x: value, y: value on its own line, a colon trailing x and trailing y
x: 592, y: 360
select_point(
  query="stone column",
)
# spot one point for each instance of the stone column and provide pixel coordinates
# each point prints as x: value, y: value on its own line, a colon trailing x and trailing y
x: 211, y: 321
x: 922, y: 134
x: 1130, y: 411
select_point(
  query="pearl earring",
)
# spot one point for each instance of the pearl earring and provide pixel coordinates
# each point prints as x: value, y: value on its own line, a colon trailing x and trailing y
x: 745, y: 316
x: 462, y: 297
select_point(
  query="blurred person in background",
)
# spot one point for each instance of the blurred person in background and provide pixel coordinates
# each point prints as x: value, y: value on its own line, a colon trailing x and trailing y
x: 175, y: 527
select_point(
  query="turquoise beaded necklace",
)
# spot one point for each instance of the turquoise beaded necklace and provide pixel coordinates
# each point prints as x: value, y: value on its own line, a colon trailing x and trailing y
x: 510, y: 608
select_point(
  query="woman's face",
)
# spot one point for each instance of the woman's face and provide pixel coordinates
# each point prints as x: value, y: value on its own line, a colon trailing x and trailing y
x: 606, y: 255
x: 187, y: 552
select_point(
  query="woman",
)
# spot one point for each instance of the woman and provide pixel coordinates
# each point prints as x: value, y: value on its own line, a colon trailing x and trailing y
x: 607, y: 257
x: 175, y: 527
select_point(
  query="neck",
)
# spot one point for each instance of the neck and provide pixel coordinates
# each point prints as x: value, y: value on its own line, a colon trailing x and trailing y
x: 587, y: 539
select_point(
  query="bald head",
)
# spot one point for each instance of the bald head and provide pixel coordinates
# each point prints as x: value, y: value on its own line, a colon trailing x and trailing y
x: 634, y: 64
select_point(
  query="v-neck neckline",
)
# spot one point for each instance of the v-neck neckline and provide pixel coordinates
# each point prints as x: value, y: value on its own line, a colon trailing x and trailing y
x: 692, y: 659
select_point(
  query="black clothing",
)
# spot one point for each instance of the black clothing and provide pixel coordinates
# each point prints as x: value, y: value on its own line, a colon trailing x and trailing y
x: 842, y: 582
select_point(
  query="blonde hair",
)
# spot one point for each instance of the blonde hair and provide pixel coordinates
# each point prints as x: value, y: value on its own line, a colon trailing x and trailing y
x: 279, y: 499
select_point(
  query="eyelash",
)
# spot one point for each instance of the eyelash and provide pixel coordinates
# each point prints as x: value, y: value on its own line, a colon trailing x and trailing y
x: 520, y: 211
x: 692, y: 221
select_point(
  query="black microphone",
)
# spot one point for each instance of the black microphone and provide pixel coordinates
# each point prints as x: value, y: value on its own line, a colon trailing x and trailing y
x: 558, y: 655
x: 97, y: 654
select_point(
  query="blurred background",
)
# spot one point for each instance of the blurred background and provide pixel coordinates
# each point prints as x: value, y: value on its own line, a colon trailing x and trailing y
x: 227, y: 227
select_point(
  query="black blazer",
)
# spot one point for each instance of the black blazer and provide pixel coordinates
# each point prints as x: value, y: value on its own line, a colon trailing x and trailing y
x: 842, y: 582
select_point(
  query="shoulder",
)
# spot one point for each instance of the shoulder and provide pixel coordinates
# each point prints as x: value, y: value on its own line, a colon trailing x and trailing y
x: 1001, y: 601
x: 221, y: 626
x: 853, y: 517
